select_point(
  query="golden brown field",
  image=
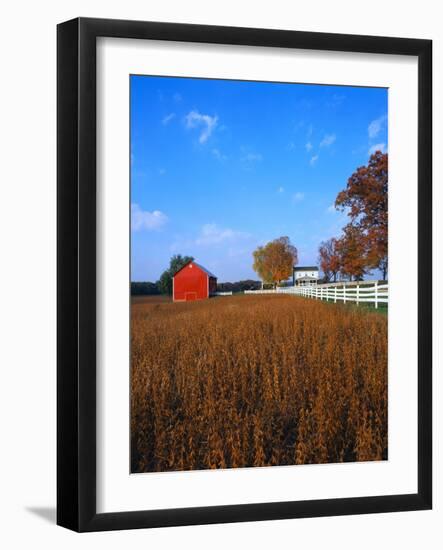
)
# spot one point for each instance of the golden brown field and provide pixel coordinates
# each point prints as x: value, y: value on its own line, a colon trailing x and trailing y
x: 256, y: 381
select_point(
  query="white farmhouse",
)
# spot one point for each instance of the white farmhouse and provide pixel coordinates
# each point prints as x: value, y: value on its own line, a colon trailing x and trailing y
x: 305, y: 275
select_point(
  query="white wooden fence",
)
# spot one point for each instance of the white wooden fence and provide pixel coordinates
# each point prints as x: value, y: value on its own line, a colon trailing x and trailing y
x: 223, y: 293
x: 375, y: 292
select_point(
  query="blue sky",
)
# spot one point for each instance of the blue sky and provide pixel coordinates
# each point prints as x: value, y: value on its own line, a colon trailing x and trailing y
x: 219, y: 167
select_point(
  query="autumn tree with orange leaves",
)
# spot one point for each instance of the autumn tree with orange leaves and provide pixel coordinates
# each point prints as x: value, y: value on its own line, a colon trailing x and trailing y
x: 329, y: 259
x: 274, y: 261
x: 366, y: 201
x: 351, y: 252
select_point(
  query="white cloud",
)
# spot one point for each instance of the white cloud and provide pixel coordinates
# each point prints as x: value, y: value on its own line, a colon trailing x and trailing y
x: 167, y: 119
x: 211, y: 233
x: 280, y: 189
x: 218, y: 154
x: 142, y: 219
x: 207, y: 123
x: 252, y: 157
x: 298, y: 197
x: 335, y: 101
x: 331, y: 208
x: 328, y: 140
x: 249, y: 157
x: 313, y: 160
x: 377, y: 147
x: 376, y: 125
x: 308, y: 146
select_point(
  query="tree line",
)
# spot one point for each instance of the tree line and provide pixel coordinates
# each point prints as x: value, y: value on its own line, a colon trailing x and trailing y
x: 144, y: 288
x: 363, y: 245
x: 164, y: 284
x: 239, y: 286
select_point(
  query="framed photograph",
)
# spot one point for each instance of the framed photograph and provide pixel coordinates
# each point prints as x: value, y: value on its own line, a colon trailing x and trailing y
x: 244, y: 274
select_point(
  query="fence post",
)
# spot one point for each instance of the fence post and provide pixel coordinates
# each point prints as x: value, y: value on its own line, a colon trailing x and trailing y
x: 344, y: 293
x: 376, y: 294
x: 358, y: 293
x: 335, y: 294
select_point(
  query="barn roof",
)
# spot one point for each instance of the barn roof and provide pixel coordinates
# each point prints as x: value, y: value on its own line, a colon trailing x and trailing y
x: 205, y: 270
x: 199, y: 266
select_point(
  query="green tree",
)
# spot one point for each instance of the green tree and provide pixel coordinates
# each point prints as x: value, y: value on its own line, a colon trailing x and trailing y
x: 175, y: 263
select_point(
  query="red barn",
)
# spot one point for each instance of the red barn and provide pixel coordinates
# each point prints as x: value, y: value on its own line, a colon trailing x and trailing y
x: 193, y: 282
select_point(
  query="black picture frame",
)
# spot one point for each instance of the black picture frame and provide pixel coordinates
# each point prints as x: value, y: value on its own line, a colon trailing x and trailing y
x: 76, y: 280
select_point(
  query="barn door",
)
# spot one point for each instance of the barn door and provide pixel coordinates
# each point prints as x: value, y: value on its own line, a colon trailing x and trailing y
x: 190, y: 296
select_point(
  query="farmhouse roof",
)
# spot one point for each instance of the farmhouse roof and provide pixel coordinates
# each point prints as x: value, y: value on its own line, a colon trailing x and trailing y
x: 199, y: 266
x: 307, y: 278
x: 306, y: 268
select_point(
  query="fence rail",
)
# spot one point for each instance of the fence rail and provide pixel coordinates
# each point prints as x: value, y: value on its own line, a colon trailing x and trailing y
x: 359, y: 293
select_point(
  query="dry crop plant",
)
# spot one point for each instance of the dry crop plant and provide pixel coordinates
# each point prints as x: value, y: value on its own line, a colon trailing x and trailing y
x: 256, y: 381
